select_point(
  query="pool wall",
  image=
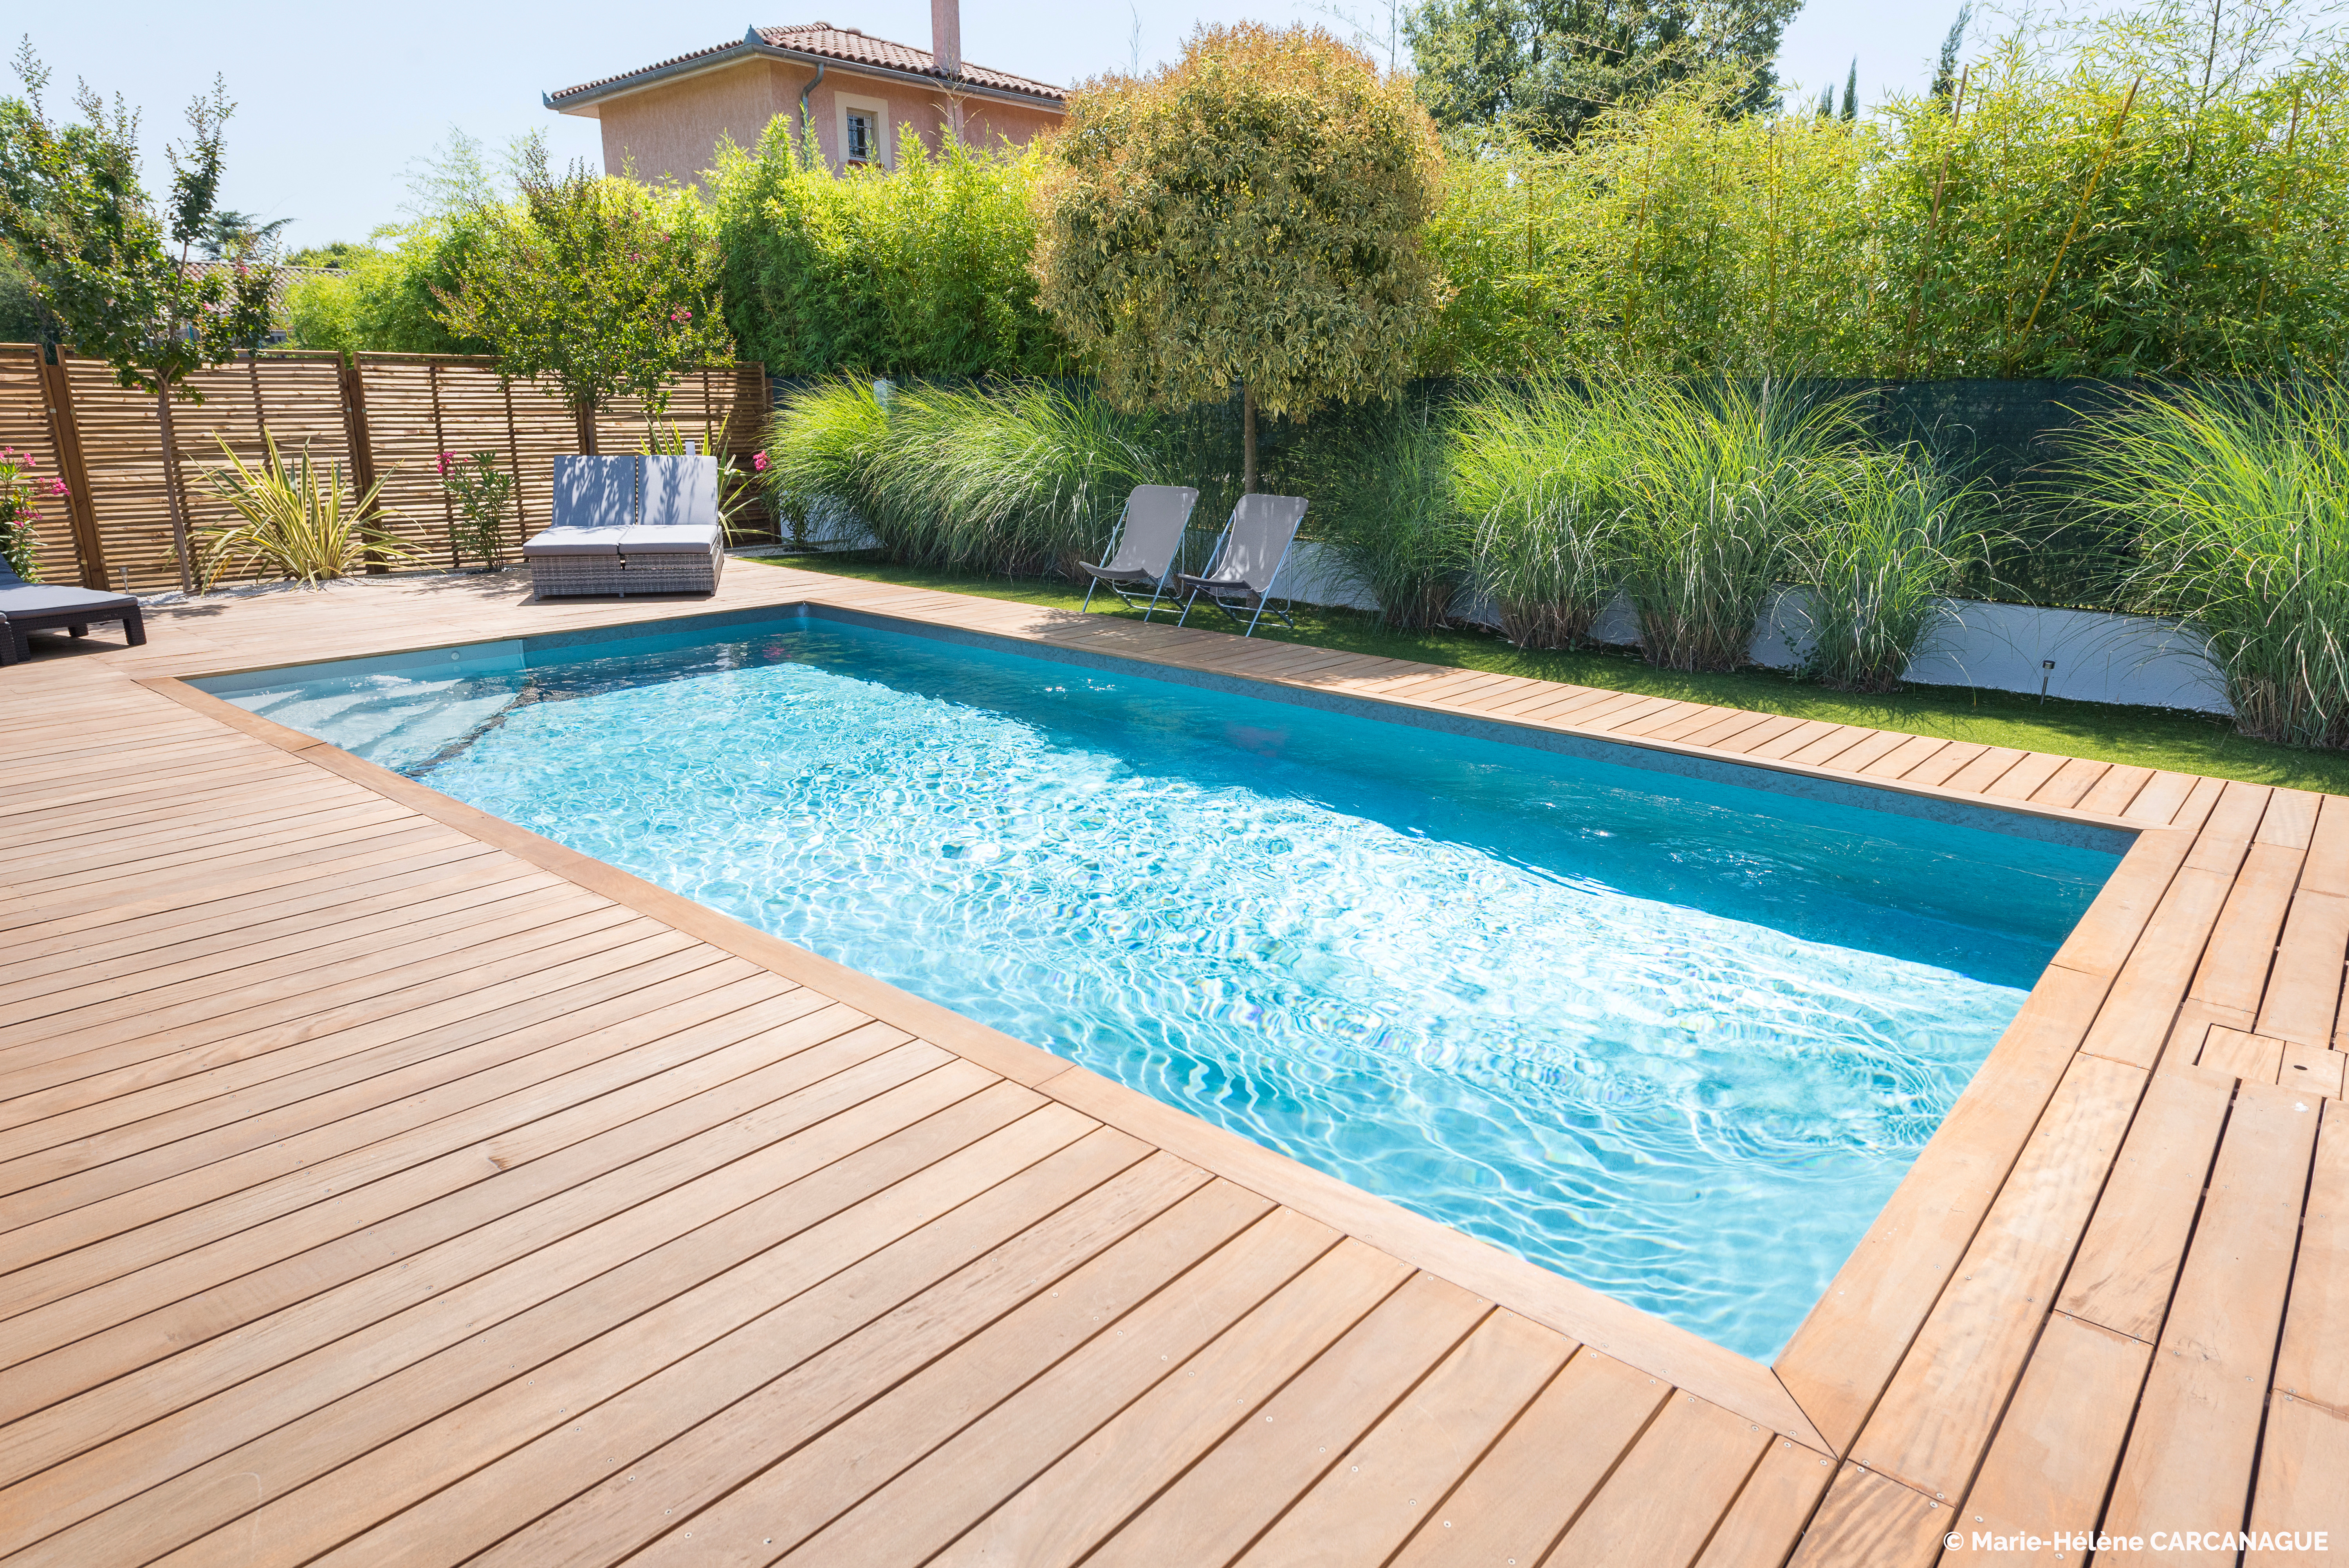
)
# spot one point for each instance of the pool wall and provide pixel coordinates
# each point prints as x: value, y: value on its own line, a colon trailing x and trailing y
x: 512, y: 655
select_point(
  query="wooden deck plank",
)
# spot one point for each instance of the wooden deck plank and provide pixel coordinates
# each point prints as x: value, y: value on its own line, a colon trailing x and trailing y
x: 521, y: 1262
x: 2071, y: 782
x: 2303, y: 992
x: 185, y: 932
x: 2314, y: 1069
x: 1912, y: 753
x: 804, y: 1381
x: 2189, y: 1454
x: 127, y: 1089
x: 2049, y: 1467
x: 2128, y: 1260
x: 2327, y: 869
x: 1935, y: 1420
x: 244, y: 1225
x: 1521, y: 1497
x: 900, y: 1184
x: 175, y: 1096
x: 1762, y: 1527
x: 2251, y: 1058
x: 1079, y: 1500
x: 2300, y: 1495
x: 1380, y: 1489
x: 2234, y: 968
x: 1845, y: 1353
x: 2147, y: 990
x: 1870, y: 1521
x: 2312, y: 1359
x: 1661, y: 1506
x: 1064, y: 1199
x: 2117, y: 790
x: 958, y: 1484
x: 160, y: 1148
x: 1291, y: 1441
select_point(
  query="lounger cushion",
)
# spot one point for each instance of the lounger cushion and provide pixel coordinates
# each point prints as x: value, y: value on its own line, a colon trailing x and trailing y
x: 594, y: 491
x: 574, y: 542
x: 679, y: 490
x: 43, y: 598
x: 668, y: 539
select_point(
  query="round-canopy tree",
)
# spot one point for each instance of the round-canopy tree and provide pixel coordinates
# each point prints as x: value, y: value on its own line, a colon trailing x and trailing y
x: 604, y: 287
x: 1248, y: 215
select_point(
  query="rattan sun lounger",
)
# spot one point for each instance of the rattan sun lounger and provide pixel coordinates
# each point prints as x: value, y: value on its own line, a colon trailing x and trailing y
x: 630, y: 526
x: 579, y: 551
x: 676, y: 546
x: 48, y: 606
x: 1146, y: 548
x: 1245, y: 568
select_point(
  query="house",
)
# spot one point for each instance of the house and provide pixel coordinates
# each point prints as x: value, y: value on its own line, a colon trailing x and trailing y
x: 859, y: 94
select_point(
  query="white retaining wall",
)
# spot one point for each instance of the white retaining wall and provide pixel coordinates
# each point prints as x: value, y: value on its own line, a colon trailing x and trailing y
x: 2098, y: 656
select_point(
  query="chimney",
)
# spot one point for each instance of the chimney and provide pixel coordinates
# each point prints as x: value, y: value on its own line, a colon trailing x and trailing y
x: 946, y: 35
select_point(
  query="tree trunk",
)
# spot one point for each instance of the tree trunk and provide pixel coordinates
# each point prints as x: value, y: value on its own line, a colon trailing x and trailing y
x: 180, y: 544
x: 1247, y: 439
x: 584, y: 413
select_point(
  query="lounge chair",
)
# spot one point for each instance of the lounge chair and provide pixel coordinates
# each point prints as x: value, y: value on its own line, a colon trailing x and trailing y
x: 678, y: 546
x: 579, y: 551
x: 1147, y: 547
x: 1245, y: 568
x: 630, y: 526
x: 43, y: 606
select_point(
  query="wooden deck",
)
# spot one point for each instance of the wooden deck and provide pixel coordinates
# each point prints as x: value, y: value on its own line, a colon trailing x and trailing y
x: 379, y: 1182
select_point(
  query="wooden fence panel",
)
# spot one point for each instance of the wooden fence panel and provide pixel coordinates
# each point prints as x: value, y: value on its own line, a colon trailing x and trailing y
x: 412, y: 408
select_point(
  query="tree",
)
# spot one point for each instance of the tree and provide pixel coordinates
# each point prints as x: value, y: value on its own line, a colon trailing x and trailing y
x: 72, y: 208
x: 608, y: 287
x: 1945, y: 68
x: 1548, y: 67
x: 228, y: 235
x: 1249, y: 214
x: 335, y: 253
x: 920, y: 270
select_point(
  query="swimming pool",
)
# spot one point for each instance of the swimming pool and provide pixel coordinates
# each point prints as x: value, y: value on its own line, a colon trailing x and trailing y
x: 1677, y: 1038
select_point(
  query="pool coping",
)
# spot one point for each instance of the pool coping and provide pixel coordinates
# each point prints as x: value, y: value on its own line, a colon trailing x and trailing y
x: 1818, y: 1391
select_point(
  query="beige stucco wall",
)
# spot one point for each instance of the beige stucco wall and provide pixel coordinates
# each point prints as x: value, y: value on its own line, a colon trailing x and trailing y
x: 672, y: 130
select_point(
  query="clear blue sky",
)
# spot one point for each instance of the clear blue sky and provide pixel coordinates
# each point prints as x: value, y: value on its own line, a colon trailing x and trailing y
x: 335, y: 101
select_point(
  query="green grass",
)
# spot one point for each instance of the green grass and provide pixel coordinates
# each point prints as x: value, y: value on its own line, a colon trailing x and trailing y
x: 2144, y: 737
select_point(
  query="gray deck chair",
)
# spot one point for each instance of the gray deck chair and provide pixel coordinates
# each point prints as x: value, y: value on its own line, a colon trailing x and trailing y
x: 579, y: 551
x: 1245, y: 568
x: 678, y: 546
x: 51, y: 607
x: 1147, y: 547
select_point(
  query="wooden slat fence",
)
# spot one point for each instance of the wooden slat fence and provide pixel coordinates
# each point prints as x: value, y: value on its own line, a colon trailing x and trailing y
x: 383, y: 415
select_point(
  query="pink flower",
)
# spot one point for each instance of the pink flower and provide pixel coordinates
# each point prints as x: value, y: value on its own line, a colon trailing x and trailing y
x: 59, y: 487
x: 680, y: 314
x: 448, y: 462
x: 758, y: 461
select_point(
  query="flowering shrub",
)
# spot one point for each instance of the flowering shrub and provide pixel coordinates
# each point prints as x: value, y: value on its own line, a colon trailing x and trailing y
x: 480, y: 491
x: 20, y: 495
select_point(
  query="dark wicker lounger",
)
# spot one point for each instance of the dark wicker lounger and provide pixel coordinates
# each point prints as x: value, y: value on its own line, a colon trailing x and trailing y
x: 42, y: 606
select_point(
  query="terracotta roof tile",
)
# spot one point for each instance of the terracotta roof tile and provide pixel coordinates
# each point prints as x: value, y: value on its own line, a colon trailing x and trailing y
x: 850, y: 47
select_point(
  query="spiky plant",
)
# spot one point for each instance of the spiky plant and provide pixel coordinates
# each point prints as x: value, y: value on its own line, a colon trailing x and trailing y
x: 2238, y: 501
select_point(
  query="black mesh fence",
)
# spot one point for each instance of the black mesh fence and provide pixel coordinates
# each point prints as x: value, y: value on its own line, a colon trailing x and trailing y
x: 2007, y: 440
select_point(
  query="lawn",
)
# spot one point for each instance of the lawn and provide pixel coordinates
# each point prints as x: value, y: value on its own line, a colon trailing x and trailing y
x: 2144, y: 737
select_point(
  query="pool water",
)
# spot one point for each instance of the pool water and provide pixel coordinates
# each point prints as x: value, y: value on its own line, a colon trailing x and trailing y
x: 1675, y: 1039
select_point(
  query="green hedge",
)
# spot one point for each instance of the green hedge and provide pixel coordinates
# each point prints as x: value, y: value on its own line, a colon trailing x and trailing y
x: 922, y: 269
